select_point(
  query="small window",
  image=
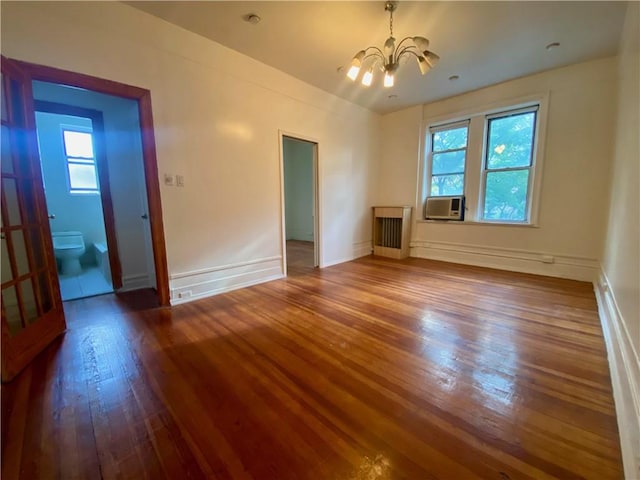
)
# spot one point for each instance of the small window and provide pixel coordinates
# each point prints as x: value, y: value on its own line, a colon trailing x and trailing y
x: 81, y: 162
x: 507, y: 166
x: 448, y: 155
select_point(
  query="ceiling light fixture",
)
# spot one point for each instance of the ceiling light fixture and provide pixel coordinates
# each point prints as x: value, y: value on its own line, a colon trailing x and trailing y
x: 388, y: 58
x: 252, y: 18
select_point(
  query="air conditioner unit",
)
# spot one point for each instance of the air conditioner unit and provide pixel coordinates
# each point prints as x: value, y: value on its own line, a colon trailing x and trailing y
x: 444, y: 208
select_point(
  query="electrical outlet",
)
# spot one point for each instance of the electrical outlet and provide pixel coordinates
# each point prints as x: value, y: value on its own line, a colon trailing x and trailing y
x: 179, y: 180
x: 184, y: 294
x: 547, y: 259
x: 168, y: 180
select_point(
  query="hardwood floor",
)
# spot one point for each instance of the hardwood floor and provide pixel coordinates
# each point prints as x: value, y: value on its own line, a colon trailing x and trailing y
x: 372, y: 369
x: 299, y: 257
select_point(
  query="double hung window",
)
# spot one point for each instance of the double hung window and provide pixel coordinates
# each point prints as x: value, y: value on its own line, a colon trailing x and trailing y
x: 492, y: 157
x: 507, y: 165
x: 81, y: 162
x: 448, y: 158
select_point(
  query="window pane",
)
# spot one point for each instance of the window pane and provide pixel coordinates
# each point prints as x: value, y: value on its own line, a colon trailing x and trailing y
x: 447, y: 185
x: 511, y: 141
x: 78, y: 144
x: 506, y: 195
x: 82, y: 177
x: 450, y: 162
x: 450, y: 139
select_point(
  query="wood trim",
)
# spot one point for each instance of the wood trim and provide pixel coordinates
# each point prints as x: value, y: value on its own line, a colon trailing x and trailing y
x: 103, y: 175
x: 624, y: 367
x: 143, y: 96
x: 153, y: 197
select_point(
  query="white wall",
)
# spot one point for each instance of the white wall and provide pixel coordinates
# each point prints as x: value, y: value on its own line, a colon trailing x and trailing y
x: 298, y: 181
x: 72, y: 212
x: 217, y: 114
x: 619, y: 287
x: 580, y: 125
x: 123, y: 148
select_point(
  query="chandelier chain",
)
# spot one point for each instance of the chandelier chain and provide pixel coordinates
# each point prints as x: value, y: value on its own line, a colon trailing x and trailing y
x: 391, y: 23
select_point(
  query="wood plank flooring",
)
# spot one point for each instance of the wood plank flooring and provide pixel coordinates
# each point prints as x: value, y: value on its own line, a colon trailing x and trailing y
x: 372, y: 369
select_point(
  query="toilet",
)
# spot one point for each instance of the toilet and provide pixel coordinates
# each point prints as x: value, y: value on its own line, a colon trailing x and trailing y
x: 68, y: 247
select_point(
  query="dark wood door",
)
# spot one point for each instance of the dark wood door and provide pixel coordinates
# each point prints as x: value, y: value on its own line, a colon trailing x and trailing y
x: 32, y: 312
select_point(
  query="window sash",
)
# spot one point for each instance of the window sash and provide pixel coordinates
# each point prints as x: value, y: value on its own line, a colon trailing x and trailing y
x: 443, y: 128
x: 529, y: 167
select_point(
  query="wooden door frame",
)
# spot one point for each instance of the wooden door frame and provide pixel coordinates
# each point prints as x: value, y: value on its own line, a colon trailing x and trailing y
x: 102, y: 166
x: 150, y: 163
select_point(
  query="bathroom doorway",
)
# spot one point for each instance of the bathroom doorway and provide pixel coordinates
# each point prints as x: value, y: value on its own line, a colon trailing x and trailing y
x: 70, y: 150
x: 299, y: 164
x: 97, y: 198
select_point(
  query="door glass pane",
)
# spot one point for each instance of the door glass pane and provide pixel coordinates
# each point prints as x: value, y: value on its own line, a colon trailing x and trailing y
x: 11, y: 310
x: 5, y: 144
x: 37, y: 250
x: 29, y: 209
x: 3, y: 100
x: 16, y: 100
x: 29, y: 301
x: 45, y: 292
x: 11, y: 197
x: 5, y: 266
x: 20, y: 252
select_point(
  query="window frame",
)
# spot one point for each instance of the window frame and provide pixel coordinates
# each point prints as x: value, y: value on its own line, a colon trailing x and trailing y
x: 75, y: 160
x: 474, y: 189
x: 440, y: 128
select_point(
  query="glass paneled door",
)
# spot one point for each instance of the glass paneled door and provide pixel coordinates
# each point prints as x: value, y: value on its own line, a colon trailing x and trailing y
x: 32, y: 313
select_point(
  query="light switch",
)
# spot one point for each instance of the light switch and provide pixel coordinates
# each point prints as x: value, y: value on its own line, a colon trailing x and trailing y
x: 180, y: 180
x: 168, y: 180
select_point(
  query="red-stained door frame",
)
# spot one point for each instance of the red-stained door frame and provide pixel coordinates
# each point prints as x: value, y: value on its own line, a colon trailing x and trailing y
x: 143, y: 97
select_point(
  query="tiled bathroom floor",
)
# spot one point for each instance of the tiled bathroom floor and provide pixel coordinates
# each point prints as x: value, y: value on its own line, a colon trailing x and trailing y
x: 90, y: 282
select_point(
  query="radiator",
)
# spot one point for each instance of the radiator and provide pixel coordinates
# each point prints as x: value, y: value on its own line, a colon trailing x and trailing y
x: 391, y: 231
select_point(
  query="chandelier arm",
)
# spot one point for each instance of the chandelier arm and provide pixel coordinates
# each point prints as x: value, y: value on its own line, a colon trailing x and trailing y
x: 377, y: 56
x: 378, y: 51
x: 402, y: 41
x: 407, y: 50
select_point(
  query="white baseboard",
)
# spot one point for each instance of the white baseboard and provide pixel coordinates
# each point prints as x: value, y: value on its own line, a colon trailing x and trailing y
x: 539, y: 263
x: 625, y: 376
x: 362, y: 249
x: 135, y: 282
x: 188, y: 286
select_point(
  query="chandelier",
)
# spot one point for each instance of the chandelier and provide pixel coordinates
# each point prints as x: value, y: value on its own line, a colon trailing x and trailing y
x: 388, y: 58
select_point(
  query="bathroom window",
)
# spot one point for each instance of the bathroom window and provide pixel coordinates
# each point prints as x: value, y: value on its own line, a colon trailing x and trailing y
x: 81, y: 161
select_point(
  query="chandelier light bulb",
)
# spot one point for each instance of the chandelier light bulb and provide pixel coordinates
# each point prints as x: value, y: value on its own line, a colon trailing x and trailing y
x: 367, y: 78
x: 356, y: 62
x: 388, y: 79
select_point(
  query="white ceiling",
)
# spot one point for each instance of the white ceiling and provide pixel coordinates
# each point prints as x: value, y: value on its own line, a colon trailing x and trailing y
x: 482, y: 42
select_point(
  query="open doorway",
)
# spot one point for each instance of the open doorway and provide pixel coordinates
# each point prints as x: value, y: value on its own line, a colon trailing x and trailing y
x: 145, y: 173
x: 300, y: 162
x: 93, y: 172
x: 74, y: 198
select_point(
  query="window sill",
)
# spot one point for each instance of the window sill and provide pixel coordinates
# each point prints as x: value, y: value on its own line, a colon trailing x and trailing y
x: 484, y: 224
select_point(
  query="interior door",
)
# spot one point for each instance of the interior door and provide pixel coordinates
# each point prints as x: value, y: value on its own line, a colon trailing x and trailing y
x: 32, y: 312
